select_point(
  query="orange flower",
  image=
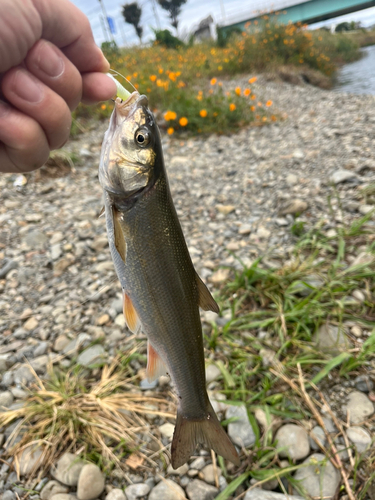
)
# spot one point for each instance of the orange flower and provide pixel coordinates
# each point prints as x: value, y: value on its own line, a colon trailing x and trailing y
x: 183, y: 121
x: 264, y: 119
x: 203, y: 113
x: 269, y: 103
x: 160, y: 71
x: 213, y: 81
x: 135, y: 75
x: 220, y: 68
x: 253, y: 79
x: 260, y: 104
x: 252, y: 108
x: 238, y: 90
x: 247, y: 92
x: 232, y: 106
x: 170, y: 115
x: 199, y: 97
x: 153, y: 78
x: 170, y: 130
x: 103, y: 106
x: 273, y: 118
x: 253, y: 97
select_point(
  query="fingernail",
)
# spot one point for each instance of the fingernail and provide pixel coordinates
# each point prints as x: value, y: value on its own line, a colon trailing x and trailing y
x: 49, y: 60
x: 27, y: 87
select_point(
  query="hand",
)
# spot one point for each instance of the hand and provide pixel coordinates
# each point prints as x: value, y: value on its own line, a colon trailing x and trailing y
x: 48, y: 64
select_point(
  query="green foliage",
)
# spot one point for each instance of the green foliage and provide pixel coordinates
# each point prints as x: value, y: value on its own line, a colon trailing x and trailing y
x: 223, y: 36
x: 173, y: 7
x: 132, y: 15
x: 166, y: 39
x: 110, y: 49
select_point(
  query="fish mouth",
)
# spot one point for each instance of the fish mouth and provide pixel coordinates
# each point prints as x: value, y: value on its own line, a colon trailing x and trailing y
x: 125, y: 108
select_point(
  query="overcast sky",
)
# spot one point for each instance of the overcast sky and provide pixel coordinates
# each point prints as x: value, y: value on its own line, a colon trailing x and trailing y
x: 192, y: 12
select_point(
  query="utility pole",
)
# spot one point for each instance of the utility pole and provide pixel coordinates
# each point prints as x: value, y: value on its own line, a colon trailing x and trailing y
x: 156, y: 14
x: 222, y: 10
x: 120, y: 23
x: 103, y: 24
x: 106, y: 19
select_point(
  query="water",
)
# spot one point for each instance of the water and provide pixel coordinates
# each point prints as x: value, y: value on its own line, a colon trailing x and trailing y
x: 358, y: 77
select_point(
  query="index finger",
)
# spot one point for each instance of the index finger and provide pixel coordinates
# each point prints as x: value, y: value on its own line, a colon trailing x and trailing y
x: 69, y: 29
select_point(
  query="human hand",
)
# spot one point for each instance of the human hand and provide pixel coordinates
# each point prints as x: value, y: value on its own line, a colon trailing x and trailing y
x: 48, y: 63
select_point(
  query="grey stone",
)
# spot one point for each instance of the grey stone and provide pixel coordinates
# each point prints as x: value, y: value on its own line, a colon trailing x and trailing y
x: 63, y: 496
x: 208, y: 473
x: 92, y: 356
x: 258, y: 494
x: 198, y: 463
x: 180, y: 471
x: 72, y: 347
x: 90, y: 482
x: 363, y: 383
x: 35, y: 239
x: 318, y: 433
x: 23, y: 375
x: 360, y: 438
x: 6, y: 399
x: 68, y: 469
x: 293, y: 207
x: 30, y: 458
x: 117, y: 494
x: 365, y: 209
x: 319, y: 478
x: 52, y: 488
x: 359, y: 407
x: 212, y: 373
x: 198, y: 490
x: 331, y: 339
x: 291, y: 179
x: 167, y: 490
x: 292, y: 441
x: 342, y: 175
x: 167, y: 430
x: 41, y: 349
x: 19, y: 393
x: 8, y: 495
x: 7, y: 379
x: 7, y: 266
x: 240, y: 431
x: 135, y: 491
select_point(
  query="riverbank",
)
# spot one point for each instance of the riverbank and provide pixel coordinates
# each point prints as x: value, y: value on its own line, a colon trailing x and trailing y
x: 290, y: 193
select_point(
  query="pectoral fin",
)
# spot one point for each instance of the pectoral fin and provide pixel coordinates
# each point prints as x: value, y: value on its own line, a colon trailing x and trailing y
x: 131, y: 316
x: 102, y: 212
x: 120, y: 242
x: 155, y: 365
x: 206, y: 301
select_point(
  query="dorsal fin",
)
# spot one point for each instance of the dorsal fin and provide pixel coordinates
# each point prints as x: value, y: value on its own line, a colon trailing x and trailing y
x: 155, y: 365
x: 205, y: 299
x: 120, y: 242
x: 131, y: 316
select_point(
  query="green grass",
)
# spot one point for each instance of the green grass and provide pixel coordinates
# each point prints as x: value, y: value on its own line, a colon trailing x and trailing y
x: 289, y: 304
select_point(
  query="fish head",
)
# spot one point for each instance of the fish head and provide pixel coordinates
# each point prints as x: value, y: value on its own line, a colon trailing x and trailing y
x: 130, y: 148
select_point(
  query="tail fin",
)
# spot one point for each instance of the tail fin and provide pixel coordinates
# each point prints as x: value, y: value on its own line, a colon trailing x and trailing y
x: 188, y: 433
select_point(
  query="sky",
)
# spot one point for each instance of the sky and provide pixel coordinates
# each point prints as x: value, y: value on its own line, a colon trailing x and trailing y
x: 192, y: 12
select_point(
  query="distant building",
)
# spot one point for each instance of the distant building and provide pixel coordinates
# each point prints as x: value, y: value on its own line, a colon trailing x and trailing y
x: 205, y: 30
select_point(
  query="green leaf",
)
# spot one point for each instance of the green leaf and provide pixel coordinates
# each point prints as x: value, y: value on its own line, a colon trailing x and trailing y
x: 330, y: 365
x: 227, y: 376
x: 231, y: 488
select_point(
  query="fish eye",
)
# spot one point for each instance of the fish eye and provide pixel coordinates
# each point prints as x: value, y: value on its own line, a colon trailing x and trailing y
x: 142, y: 137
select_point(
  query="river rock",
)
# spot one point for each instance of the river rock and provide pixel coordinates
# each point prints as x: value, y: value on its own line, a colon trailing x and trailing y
x: 319, y: 478
x: 319, y: 434
x: 360, y: 438
x: 198, y: 490
x: 135, y: 491
x: 212, y: 373
x: 363, y: 383
x: 90, y: 482
x: 29, y: 459
x: 292, y: 441
x: 240, y: 431
x: 23, y: 375
x: 180, y: 471
x: 167, y: 430
x: 167, y: 490
x: 63, y: 496
x: 6, y: 399
x: 208, y: 473
x: 342, y: 175
x: 258, y: 494
x: 116, y: 494
x: 52, y: 488
x: 330, y: 339
x: 359, y: 407
x: 293, y: 207
x: 92, y: 356
x: 68, y: 469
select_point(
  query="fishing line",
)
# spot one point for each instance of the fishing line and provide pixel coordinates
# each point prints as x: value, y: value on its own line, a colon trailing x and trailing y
x: 122, y: 76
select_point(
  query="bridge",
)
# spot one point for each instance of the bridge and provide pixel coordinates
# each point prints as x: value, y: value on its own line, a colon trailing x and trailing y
x: 306, y: 12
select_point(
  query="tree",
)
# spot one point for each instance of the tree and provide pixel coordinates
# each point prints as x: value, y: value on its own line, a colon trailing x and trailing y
x: 173, y: 7
x: 132, y: 15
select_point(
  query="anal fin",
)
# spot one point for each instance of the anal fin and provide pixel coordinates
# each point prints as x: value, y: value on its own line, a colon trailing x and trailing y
x: 206, y: 301
x: 131, y: 316
x: 155, y: 365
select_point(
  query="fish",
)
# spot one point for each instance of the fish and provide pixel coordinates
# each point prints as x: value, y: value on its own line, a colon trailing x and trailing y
x: 161, y: 289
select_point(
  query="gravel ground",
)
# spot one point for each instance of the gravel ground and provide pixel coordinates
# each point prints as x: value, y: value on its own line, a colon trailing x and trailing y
x: 233, y: 194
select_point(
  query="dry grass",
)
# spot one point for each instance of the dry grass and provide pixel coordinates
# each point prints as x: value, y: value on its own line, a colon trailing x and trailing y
x: 103, y: 420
